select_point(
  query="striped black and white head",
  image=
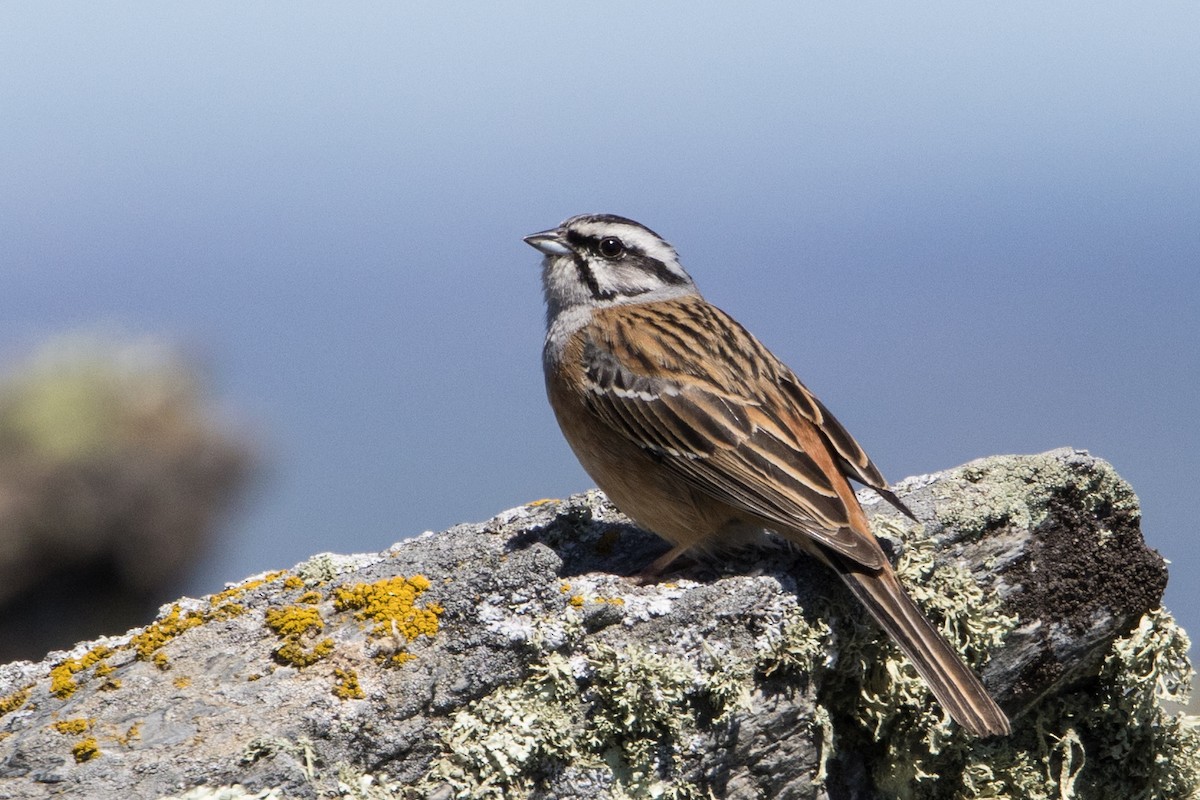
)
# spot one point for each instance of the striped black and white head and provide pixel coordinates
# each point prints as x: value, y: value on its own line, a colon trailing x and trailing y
x: 597, y: 260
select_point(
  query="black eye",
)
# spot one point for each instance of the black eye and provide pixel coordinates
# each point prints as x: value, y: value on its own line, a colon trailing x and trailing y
x: 611, y: 247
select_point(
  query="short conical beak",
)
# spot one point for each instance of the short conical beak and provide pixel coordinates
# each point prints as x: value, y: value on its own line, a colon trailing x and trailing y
x: 549, y: 242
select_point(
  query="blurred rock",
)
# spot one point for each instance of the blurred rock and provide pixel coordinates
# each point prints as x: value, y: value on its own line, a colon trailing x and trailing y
x: 114, y: 473
x: 512, y: 659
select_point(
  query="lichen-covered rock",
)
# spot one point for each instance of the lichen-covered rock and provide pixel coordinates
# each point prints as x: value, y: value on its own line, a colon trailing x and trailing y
x: 115, y: 470
x: 513, y: 659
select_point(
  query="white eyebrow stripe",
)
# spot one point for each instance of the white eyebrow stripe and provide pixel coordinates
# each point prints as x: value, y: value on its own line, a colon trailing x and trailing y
x: 632, y: 235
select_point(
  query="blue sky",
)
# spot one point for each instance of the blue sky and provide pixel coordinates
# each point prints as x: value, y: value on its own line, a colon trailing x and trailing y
x: 970, y: 228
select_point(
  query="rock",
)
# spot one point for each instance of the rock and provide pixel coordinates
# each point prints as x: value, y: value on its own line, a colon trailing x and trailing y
x: 513, y: 659
x: 116, y: 470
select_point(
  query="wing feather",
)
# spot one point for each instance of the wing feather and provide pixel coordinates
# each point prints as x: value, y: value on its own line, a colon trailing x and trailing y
x: 738, y: 433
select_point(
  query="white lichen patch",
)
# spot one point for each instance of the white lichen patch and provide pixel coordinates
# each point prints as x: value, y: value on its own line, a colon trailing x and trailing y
x: 527, y: 623
x: 637, y: 604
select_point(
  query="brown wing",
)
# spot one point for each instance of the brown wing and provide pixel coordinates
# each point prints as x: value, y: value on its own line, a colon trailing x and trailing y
x: 852, y: 459
x: 725, y: 415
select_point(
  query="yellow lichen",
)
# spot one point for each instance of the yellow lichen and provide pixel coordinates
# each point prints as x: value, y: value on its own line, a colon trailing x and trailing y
x: 226, y: 611
x: 133, y: 733
x: 346, y: 685
x: 578, y: 600
x: 312, y: 598
x: 157, y: 634
x: 221, y: 597
x: 293, y: 582
x: 294, y: 620
x: 295, y: 654
x: 161, y: 661
x: 111, y: 685
x: 73, y: 727
x: 293, y: 624
x: 11, y: 702
x: 564, y: 587
x: 86, y: 749
x: 391, y: 604
x: 147, y: 643
x: 182, y: 682
x: 62, y: 680
x: 62, y: 676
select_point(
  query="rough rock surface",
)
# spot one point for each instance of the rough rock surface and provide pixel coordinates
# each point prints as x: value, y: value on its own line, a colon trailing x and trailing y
x: 512, y: 658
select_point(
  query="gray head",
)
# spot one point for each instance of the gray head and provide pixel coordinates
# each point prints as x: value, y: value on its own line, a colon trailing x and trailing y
x: 597, y: 260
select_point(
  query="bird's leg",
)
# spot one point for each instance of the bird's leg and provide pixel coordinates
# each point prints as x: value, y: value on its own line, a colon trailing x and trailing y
x: 652, y: 573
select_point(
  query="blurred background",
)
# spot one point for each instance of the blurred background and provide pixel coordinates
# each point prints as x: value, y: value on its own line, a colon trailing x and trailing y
x: 266, y: 259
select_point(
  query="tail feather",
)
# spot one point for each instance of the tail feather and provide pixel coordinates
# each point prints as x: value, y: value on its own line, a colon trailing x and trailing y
x: 953, y: 683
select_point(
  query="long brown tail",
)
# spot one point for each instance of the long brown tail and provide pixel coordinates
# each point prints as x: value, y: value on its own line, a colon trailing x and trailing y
x: 953, y: 683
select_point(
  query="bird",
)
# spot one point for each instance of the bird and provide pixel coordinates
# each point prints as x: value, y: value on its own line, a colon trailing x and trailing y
x: 699, y: 434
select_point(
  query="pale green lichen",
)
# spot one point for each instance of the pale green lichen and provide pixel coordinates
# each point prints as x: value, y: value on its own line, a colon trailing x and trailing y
x: 1111, y: 738
x: 798, y: 647
x: 269, y: 746
x: 504, y: 744
x: 633, y: 718
x: 81, y: 394
x: 728, y: 684
x: 629, y: 715
x: 352, y: 783
x: 633, y: 713
x: 1018, y: 491
x: 639, y: 701
x: 325, y: 567
x: 863, y: 682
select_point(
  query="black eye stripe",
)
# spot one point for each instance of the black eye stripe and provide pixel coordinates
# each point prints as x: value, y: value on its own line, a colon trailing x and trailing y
x: 661, y: 271
x: 594, y: 243
x: 578, y: 240
x: 631, y: 256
